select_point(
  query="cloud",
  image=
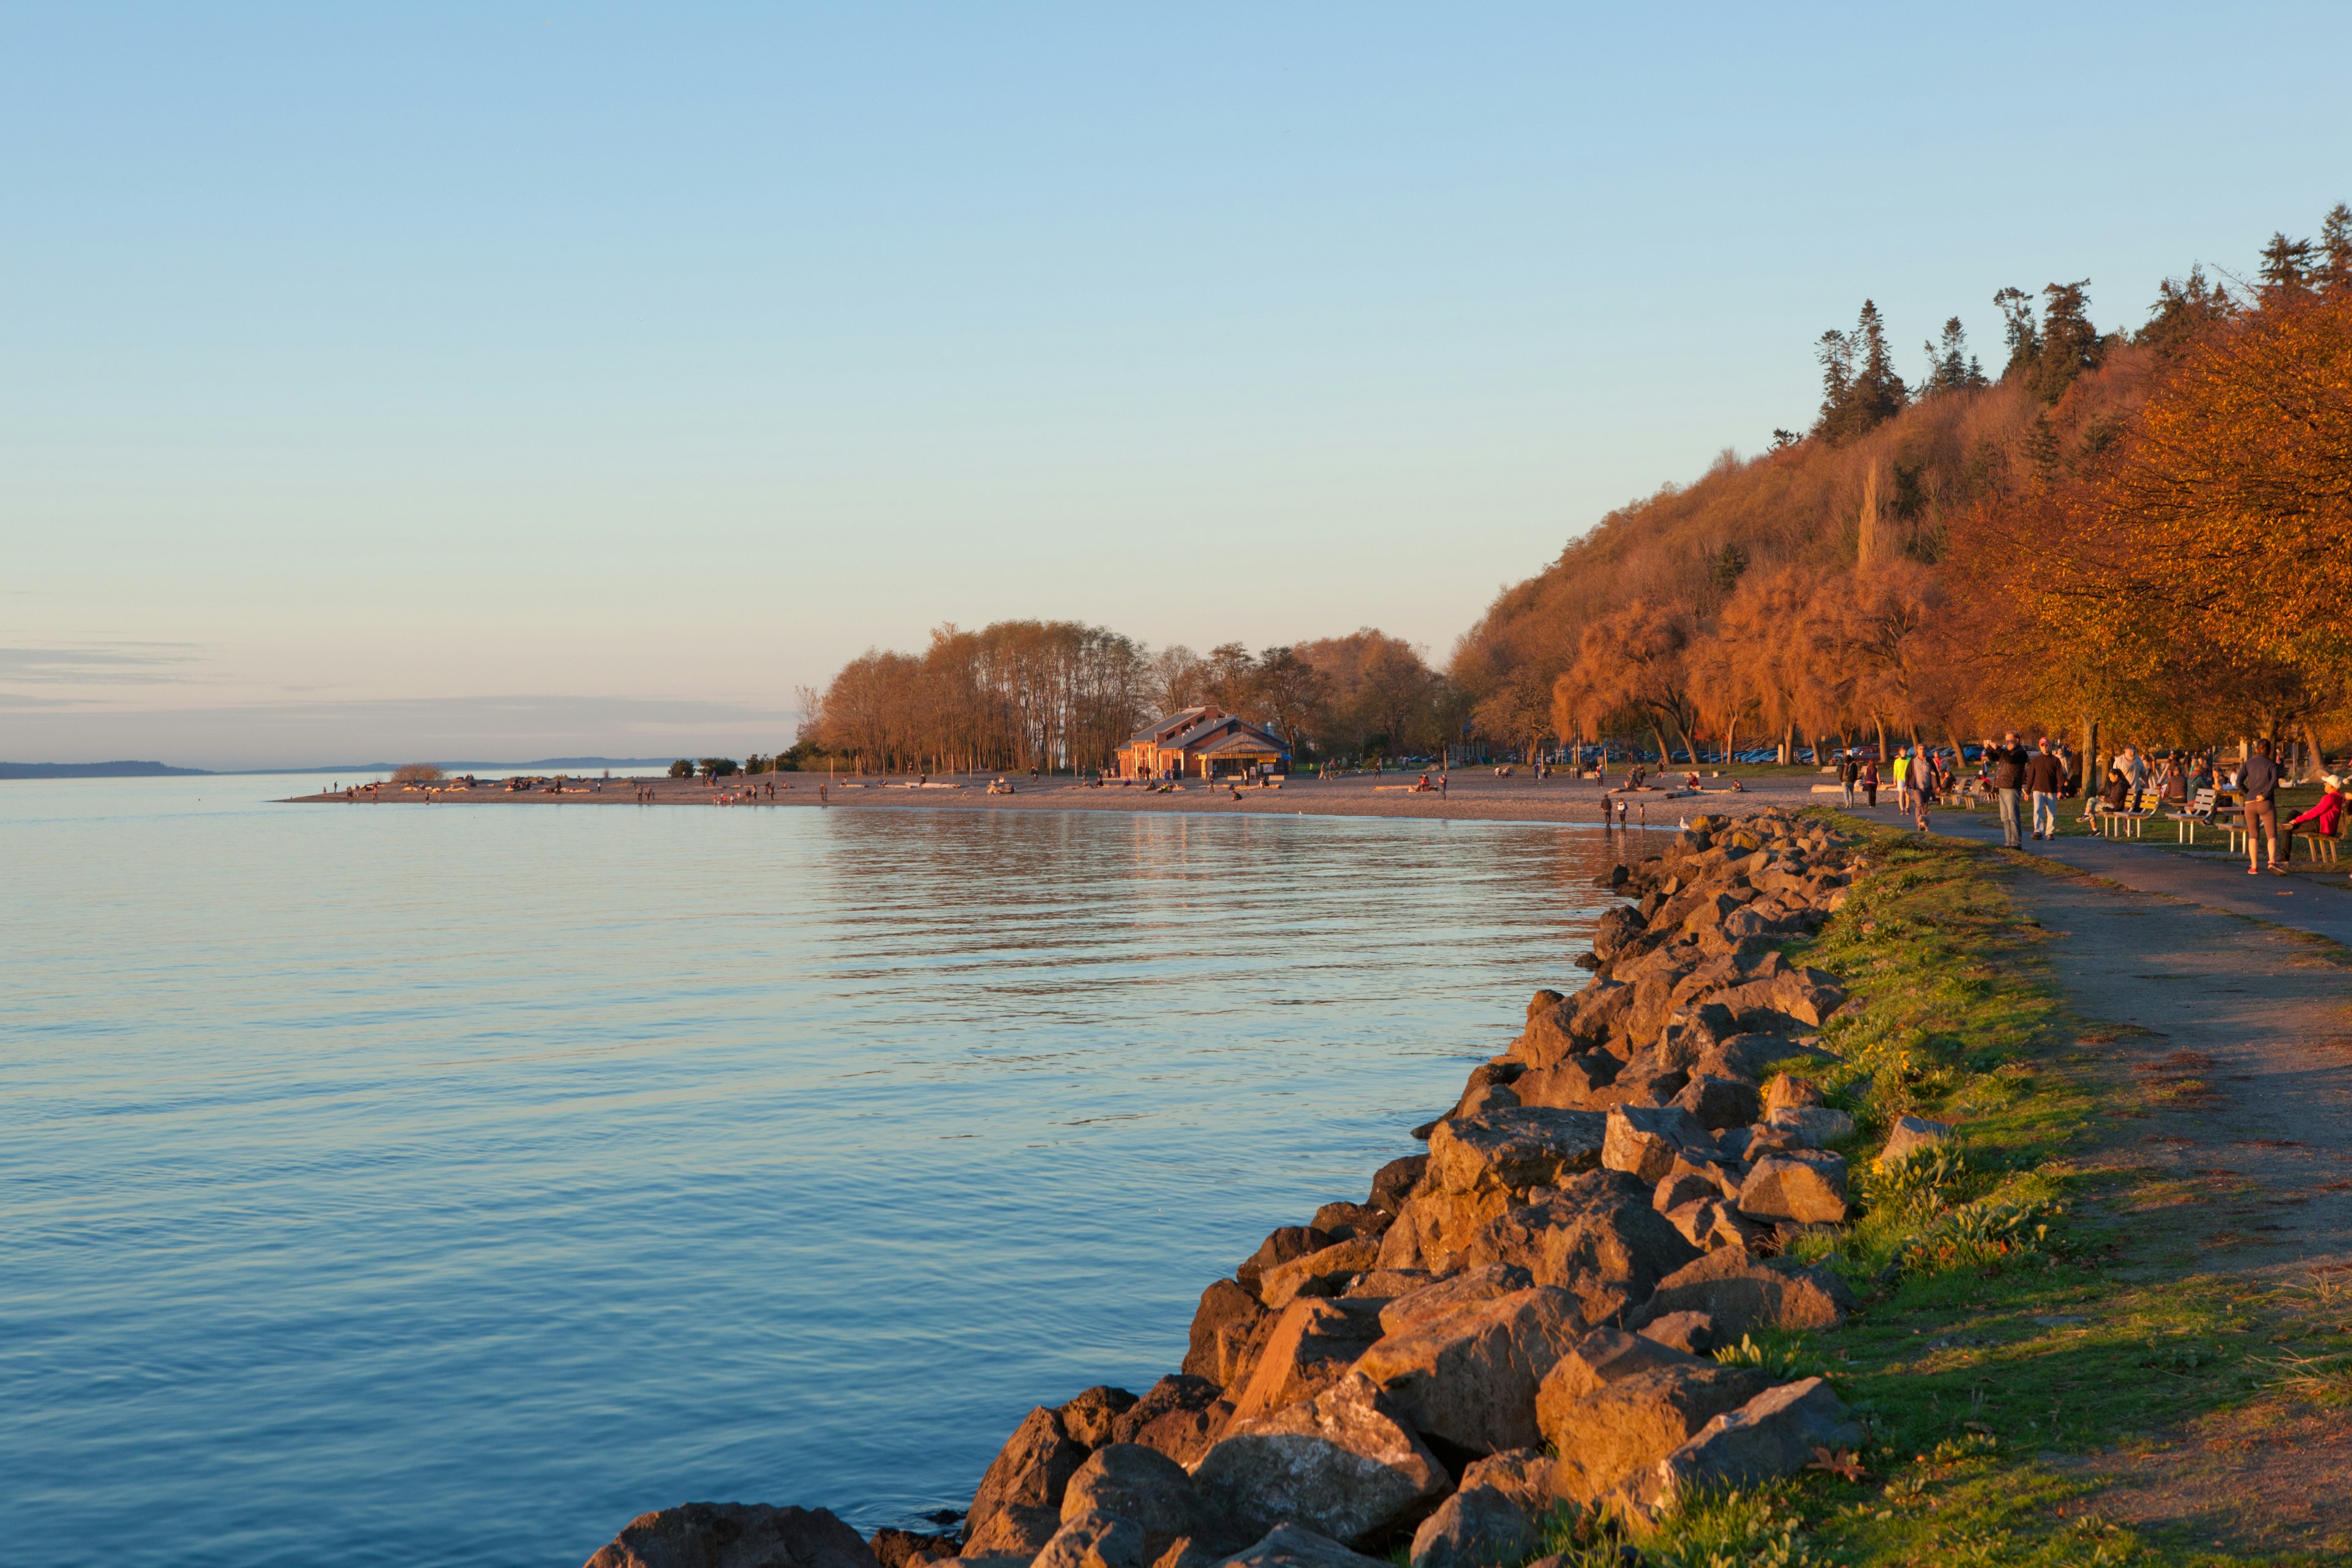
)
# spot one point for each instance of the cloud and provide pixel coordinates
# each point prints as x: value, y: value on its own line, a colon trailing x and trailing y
x: 100, y: 664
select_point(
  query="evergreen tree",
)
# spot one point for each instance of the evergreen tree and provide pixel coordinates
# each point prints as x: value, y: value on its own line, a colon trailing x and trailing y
x: 2287, y: 268
x: 1860, y: 390
x: 2070, y: 345
x: 2336, y: 247
x: 1951, y: 368
x: 2184, y: 309
x: 2024, y: 338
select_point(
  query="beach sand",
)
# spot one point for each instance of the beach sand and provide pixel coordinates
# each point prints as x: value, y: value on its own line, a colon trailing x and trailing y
x: 1472, y: 795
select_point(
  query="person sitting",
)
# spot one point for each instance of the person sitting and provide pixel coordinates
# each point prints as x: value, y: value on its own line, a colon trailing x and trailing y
x: 2117, y: 790
x: 2322, y: 821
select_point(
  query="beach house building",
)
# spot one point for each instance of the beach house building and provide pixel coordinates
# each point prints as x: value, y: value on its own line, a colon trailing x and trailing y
x: 1200, y: 743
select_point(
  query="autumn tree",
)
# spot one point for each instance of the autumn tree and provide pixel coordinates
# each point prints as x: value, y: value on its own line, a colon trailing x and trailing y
x: 1950, y: 366
x: 1630, y: 662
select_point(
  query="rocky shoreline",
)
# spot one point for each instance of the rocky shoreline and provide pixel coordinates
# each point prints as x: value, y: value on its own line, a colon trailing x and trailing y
x: 1520, y: 1322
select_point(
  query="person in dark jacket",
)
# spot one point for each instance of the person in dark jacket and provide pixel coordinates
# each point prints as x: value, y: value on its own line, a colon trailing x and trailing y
x: 2258, y: 784
x: 2044, y: 776
x: 2008, y: 764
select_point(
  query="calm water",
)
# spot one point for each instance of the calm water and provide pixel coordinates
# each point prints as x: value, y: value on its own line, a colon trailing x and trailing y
x: 445, y: 1186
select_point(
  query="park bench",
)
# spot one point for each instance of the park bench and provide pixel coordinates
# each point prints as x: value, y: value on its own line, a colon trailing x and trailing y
x: 2195, y: 814
x: 2119, y: 822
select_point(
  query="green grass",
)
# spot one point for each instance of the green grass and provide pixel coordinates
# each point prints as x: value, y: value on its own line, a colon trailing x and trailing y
x: 2020, y: 1311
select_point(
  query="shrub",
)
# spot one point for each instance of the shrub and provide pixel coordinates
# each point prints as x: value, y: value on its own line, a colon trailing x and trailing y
x: 720, y: 767
x: 681, y: 769
x: 416, y: 773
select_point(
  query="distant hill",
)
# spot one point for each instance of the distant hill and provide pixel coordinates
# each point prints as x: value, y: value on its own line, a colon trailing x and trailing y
x: 93, y: 770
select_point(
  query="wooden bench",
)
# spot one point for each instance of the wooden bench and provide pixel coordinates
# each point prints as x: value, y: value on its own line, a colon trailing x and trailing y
x: 2119, y: 822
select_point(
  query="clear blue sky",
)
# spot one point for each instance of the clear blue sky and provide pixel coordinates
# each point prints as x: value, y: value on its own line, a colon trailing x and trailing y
x: 489, y: 381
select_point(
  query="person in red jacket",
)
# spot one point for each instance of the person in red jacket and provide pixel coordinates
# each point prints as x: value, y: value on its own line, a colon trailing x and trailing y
x: 2322, y: 821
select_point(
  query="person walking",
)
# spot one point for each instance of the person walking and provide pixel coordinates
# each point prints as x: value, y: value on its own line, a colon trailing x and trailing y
x: 1902, y: 782
x: 1870, y: 781
x: 2008, y: 761
x: 2258, y: 784
x: 2135, y: 771
x: 2044, y: 774
x: 1848, y: 771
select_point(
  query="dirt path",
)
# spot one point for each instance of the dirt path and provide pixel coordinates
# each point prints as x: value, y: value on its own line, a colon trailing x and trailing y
x: 2234, y: 1043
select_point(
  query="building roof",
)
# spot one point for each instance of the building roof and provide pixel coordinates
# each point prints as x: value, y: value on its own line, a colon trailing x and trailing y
x: 1160, y: 729
x: 1245, y: 738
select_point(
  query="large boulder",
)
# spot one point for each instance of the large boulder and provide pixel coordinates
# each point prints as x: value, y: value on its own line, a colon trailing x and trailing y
x: 1029, y: 1472
x: 1092, y: 1539
x: 1213, y: 1352
x: 1288, y: 1546
x: 1596, y: 1237
x: 1690, y: 1332
x: 896, y: 1548
x: 1016, y: 1531
x: 1319, y: 1273
x: 1787, y: 1091
x: 1573, y: 1084
x: 1812, y: 1126
x: 1344, y: 1464
x: 1088, y: 1416
x: 1712, y: 1225
x: 1622, y: 1428
x: 1644, y: 1141
x: 1806, y: 1185
x: 1716, y: 1102
x: 1480, y: 1284
x: 1478, y: 1527
x: 1617, y: 927
x: 1179, y: 1416
x: 1743, y: 1296
x: 1349, y: 1222
x: 1467, y: 1375
x: 1140, y: 1485
x: 1513, y: 1149
x: 1394, y: 1182
x: 1285, y: 1243
x: 1601, y: 1358
x: 1436, y: 1228
x: 1775, y: 1434
x: 1912, y: 1134
x: 1313, y: 1344
x: 734, y: 1535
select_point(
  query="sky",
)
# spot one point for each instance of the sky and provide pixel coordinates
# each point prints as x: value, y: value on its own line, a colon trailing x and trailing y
x: 489, y: 381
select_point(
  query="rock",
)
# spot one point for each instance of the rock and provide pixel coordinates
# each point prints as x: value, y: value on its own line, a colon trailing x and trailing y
x: 1550, y: 1035
x: 1092, y: 1539
x: 1914, y: 1133
x: 1615, y: 929
x: 1711, y: 1224
x: 1351, y: 1222
x: 1468, y: 1374
x: 1388, y: 1284
x: 1179, y: 1416
x: 1772, y: 1434
x: 1716, y: 1102
x: 1742, y: 1296
x: 1481, y: 1284
x: 896, y: 1548
x: 1544, y: 1001
x: 1690, y: 1332
x: 1395, y: 1181
x: 1436, y: 1228
x: 1287, y: 1546
x: 1222, y: 1304
x: 1786, y: 1092
x: 1805, y: 1185
x: 1190, y: 1553
x: 734, y: 1535
x: 1812, y: 1126
x: 1643, y: 1085
x: 1313, y: 1344
x: 1722, y: 1176
x: 1571, y: 1085
x: 1644, y: 1141
x: 1684, y: 1186
x: 1478, y: 1527
x: 1288, y: 1242
x: 1746, y: 1055
x: 1511, y: 1151
x: 1599, y: 1010
x: 1526, y: 1476
x: 1732, y: 1143
x: 1013, y: 1535
x: 1596, y: 1236
x: 1482, y: 1098
x: 1088, y: 1417
x: 1344, y: 1465
x: 1323, y: 1273
x: 1030, y: 1471
x: 1627, y: 1425
x: 1598, y: 1360
x: 1140, y: 1485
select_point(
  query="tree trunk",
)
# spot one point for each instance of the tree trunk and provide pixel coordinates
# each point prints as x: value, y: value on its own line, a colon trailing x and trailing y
x: 1659, y: 735
x: 2319, y: 753
x: 1883, y: 759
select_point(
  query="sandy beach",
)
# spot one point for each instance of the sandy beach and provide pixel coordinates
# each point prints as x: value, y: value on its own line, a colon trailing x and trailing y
x: 1471, y: 795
